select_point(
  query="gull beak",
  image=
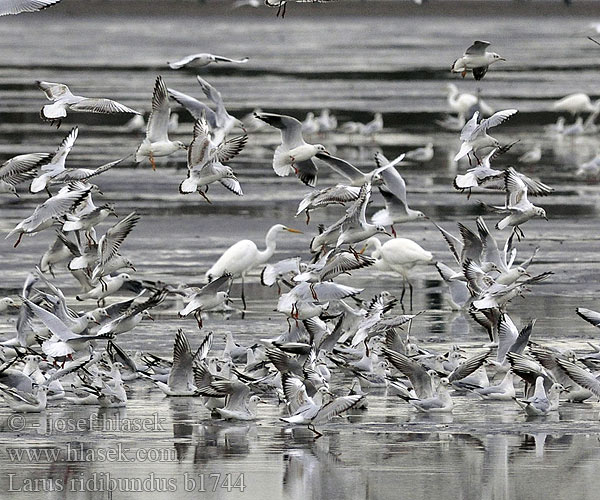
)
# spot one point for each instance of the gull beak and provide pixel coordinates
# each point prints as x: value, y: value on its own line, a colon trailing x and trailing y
x: 545, y: 218
x: 150, y: 317
x: 502, y: 59
x: 116, y: 215
x: 17, y: 194
x: 363, y: 250
x: 385, y: 232
x: 133, y: 268
x: 97, y: 322
x: 426, y: 217
x: 291, y: 230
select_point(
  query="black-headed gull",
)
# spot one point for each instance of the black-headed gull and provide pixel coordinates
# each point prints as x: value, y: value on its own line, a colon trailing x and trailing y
x: 63, y: 100
x: 156, y: 142
x: 476, y: 59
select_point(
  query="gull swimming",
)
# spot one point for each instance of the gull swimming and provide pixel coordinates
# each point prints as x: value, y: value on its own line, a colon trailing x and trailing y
x: 476, y: 59
x: 203, y: 59
x: 63, y: 100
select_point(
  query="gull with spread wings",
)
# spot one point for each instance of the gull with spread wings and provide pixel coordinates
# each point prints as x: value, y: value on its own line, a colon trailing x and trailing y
x: 63, y: 100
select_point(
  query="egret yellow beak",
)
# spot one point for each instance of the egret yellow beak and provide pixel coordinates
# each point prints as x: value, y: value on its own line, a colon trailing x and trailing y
x: 291, y: 230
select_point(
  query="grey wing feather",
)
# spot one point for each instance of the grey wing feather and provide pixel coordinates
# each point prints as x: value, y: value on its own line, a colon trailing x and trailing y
x: 194, y: 107
x: 478, y: 47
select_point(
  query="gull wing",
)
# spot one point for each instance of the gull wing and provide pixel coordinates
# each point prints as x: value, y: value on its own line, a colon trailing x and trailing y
x: 478, y: 48
x: 22, y: 167
x: 580, y: 376
x: 232, y: 184
x: 111, y: 242
x: 496, y: 119
x: 181, y: 372
x: 507, y: 336
x: 469, y: 366
x: 58, y: 160
x: 335, y: 407
x: 590, y: 316
x: 291, y: 129
x: 56, y: 206
x: 55, y: 325
x: 418, y: 376
x: 101, y: 105
x: 491, y: 253
x: 54, y: 91
x: 11, y: 7
x: 307, y: 172
x: 469, y: 129
x: 158, y: 122
x: 194, y: 107
x: 342, y: 167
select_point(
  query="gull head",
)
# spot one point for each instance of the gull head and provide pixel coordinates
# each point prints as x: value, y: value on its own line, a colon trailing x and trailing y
x: 180, y: 145
x: 321, y: 149
x: 147, y: 314
x: 12, y: 189
x: 496, y: 57
x: 420, y: 215
x: 381, y: 229
x: 522, y: 271
x: 540, y: 212
x: 229, y: 173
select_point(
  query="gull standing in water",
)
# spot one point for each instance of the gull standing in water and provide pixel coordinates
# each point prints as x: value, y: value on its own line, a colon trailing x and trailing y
x: 477, y: 59
x: 243, y: 256
x: 63, y: 100
x: 293, y: 154
x: 157, y: 141
x: 311, y: 411
x: 203, y: 59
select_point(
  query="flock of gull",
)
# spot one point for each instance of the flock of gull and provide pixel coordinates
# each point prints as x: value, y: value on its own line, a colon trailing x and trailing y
x: 330, y: 334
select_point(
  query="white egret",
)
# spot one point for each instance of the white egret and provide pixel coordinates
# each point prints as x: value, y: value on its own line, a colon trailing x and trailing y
x: 243, y: 256
x: 399, y: 255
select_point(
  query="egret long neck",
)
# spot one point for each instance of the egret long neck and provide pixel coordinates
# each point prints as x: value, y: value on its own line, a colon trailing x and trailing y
x: 271, y: 244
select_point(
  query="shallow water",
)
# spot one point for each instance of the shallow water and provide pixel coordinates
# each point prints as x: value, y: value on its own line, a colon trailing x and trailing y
x: 354, y: 66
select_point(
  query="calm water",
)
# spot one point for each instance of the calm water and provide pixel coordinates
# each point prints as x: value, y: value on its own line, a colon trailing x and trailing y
x: 354, y: 66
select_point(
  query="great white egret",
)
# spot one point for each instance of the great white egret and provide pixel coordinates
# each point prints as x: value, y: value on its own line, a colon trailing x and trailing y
x: 576, y: 104
x: 399, y: 255
x: 244, y: 256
